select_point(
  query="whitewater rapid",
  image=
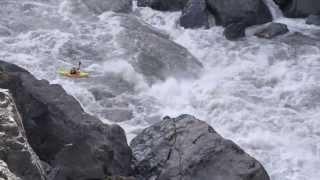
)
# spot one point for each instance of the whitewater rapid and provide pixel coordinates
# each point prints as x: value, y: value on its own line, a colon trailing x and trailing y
x: 262, y: 94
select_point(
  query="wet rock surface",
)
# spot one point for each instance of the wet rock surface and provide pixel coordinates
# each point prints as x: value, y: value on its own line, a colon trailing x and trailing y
x: 164, y: 5
x: 17, y: 159
x: 299, y: 8
x: 272, y: 30
x: 75, y: 144
x: 195, y: 14
x: 313, y: 19
x: 189, y: 149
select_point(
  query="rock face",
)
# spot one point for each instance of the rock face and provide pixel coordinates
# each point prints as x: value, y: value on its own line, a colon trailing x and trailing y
x: 155, y: 56
x: 272, y: 30
x: 313, y: 19
x: 250, y: 12
x: 75, y: 144
x: 299, y: 8
x: 16, y: 155
x: 163, y: 5
x: 186, y: 148
x: 100, y: 6
x: 195, y: 14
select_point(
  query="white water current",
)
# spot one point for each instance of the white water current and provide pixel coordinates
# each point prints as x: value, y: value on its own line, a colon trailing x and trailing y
x: 262, y: 94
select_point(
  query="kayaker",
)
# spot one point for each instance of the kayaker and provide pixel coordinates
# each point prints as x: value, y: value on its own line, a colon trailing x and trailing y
x: 75, y: 70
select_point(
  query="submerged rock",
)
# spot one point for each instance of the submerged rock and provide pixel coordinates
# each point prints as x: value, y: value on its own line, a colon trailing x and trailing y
x: 100, y: 6
x: 194, y: 14
x: 163, y: 5
x: 313, y: 19
x: 75, y: 144
x: 251, y: 12
x: 272, y: 30
x: 153, y: 54
x: 189, y: 149
x: 17, y: 159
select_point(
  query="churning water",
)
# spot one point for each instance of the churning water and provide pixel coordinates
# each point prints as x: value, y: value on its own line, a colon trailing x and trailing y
x: 262, y: 94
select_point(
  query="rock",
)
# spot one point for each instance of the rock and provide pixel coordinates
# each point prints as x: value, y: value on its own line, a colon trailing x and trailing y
x: 298, y: 39
x: 118, y: 114
x: 194, y: 14
x: 16, y: 155
x: 5, y: 173
x: 100, y: 6
x: 154, y: 55
x: 163, y: 5
x: 75, y: 144
x: 251, y: 12
x: 189, y: 149
x: 235, y: 31
x: 272, y: 30
x: 313, y: 19
x: 299, y: 8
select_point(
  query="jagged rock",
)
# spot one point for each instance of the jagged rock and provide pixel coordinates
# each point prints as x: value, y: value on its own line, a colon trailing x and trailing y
x: 313, y: 19
x: 154, y: 55
x: 194, y: 14
x: 5, y: 173
x: 235, y: 31
x: 16, y: 155
x: 75, y: 144
x: 189, y: 149
x: 251, y: 12
x: 163, y: 5
x: 272, y: 30
x: 299, y: 8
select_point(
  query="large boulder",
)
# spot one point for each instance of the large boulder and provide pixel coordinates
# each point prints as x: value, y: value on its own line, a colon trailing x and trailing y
x: 189, y: 149
x: 163, y: 5
x: 16, y: 155
x: 76, y: 145
x: 299, y: 8
x: 194, y: 14
x: 272, y: 30
x: 153, y: 54
x: 251, y: 12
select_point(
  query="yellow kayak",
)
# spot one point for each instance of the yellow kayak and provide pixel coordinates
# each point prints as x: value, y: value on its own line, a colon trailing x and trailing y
x: 78, y: 75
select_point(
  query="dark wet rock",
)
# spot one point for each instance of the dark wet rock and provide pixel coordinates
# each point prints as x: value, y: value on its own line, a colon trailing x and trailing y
x: 100, y: 6
x: 189, y: 149
x: 163, y: 5
x: 299, y: 8
x: 153, y: 54
x: 194, y: 14
x: 235, y: 31
x: 100, y: 93
x: 313, y: 19
x: 16, y: 155
x: 251, y: 12
x: 272, y: 30
x: 75, y: 144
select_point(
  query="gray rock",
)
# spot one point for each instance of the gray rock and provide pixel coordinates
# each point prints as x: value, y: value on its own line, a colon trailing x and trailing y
x: 235, y: 31
x: 163, y: 5
x: 15, y: 151
x: 313, y: 19
x: 155, y: 56
x: 273, y: 30
x: 75, y: 144
x: 195, y: 14
x: 189, y: 149
x: 251, y: 12
x: 118, y: 114
x: 299, y: 8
